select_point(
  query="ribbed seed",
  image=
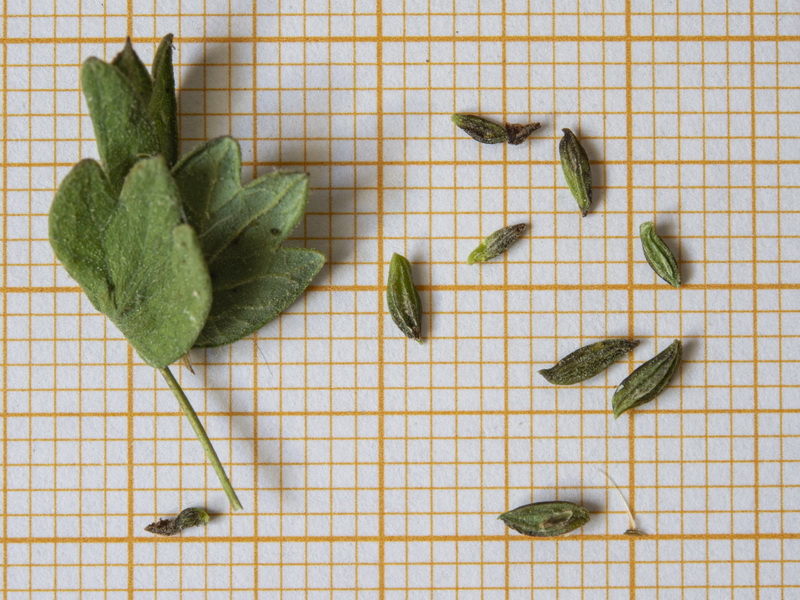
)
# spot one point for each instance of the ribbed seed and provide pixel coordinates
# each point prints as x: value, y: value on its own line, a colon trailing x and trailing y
x: 648, y: 380
x: 405, y: 307
x: 496, y: 243
x: 658, y: 255
x: 577, y: 170
x: 487, y: 132
x: 546, y: 519
x: 588, y: 361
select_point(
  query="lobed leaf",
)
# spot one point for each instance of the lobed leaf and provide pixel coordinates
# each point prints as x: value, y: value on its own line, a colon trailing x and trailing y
x: 131, y: 66
x: 241, y: 230
x: 163, y: 104
x: 135, y: 259
x: 122, y: 126
x: 133, y: 114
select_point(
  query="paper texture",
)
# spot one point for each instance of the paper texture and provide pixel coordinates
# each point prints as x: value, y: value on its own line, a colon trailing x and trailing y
x: 373, y: 467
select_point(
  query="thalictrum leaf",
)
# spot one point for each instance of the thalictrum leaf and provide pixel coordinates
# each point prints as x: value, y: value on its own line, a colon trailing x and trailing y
x: 135, y: 259
x: 132, y: 67
x: 163, y: 105
x: 241, y: 230
x: 124, y: 131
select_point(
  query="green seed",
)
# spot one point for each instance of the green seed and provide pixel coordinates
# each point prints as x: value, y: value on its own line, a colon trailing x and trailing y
x: 405, y: 307
x: 496, y: 243
x: 648, y: 380
x: 577, y: 170
x: 588, y: 361
x: 658, y: 255
x: 487, y: 132
x: 546, y: 519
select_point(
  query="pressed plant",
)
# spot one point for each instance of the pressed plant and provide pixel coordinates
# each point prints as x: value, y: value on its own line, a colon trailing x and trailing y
x: 175, y: 251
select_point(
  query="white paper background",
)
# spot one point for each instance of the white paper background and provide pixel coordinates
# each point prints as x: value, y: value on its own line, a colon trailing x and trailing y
x: 369, y: 464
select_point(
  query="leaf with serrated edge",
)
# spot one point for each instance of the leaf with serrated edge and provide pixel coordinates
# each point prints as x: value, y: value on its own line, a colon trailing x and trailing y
x: 122, y: 126
x: 241, y: 230
x: 134, y: 258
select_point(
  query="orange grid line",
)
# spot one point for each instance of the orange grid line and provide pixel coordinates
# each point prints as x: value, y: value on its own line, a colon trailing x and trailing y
x: 392, y: 435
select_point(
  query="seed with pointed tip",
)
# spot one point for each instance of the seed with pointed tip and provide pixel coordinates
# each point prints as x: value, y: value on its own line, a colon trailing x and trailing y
x: 496, y: 243
x: 405, y: 306
x: 648, y: 380
x: 658, y: 255
x: 487, y: 132
x: 577, y: 170
x: 588, y: 361
x: 546, y: 519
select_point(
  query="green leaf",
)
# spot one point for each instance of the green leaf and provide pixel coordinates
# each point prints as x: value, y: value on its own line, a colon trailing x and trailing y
x: 132, y: 67
x: 135, y: 259
x: 163, y: 106
x: 241, y: 230
x: 123, y: 129
x: 82, y: 208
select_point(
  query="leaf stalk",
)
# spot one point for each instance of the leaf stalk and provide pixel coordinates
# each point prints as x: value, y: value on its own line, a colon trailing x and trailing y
x: 202, y: 436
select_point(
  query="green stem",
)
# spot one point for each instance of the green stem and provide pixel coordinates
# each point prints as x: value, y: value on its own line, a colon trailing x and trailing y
x: 201, y: 435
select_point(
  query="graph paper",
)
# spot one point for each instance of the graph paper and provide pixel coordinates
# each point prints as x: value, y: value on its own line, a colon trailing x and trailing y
x: 373, y: 467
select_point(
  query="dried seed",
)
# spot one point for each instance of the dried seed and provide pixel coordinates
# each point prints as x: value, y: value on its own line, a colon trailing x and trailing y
x: 577, y: 170
x: 519, y: 133
x: 189, y: 517
x: 588, y: 361
x: 496, y: 243
x: 648, y: 380
x: 487, y: 132
x: 481, y: 129
x: 546, y: 519
x: 401, y: 295
x: 658, y: 255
